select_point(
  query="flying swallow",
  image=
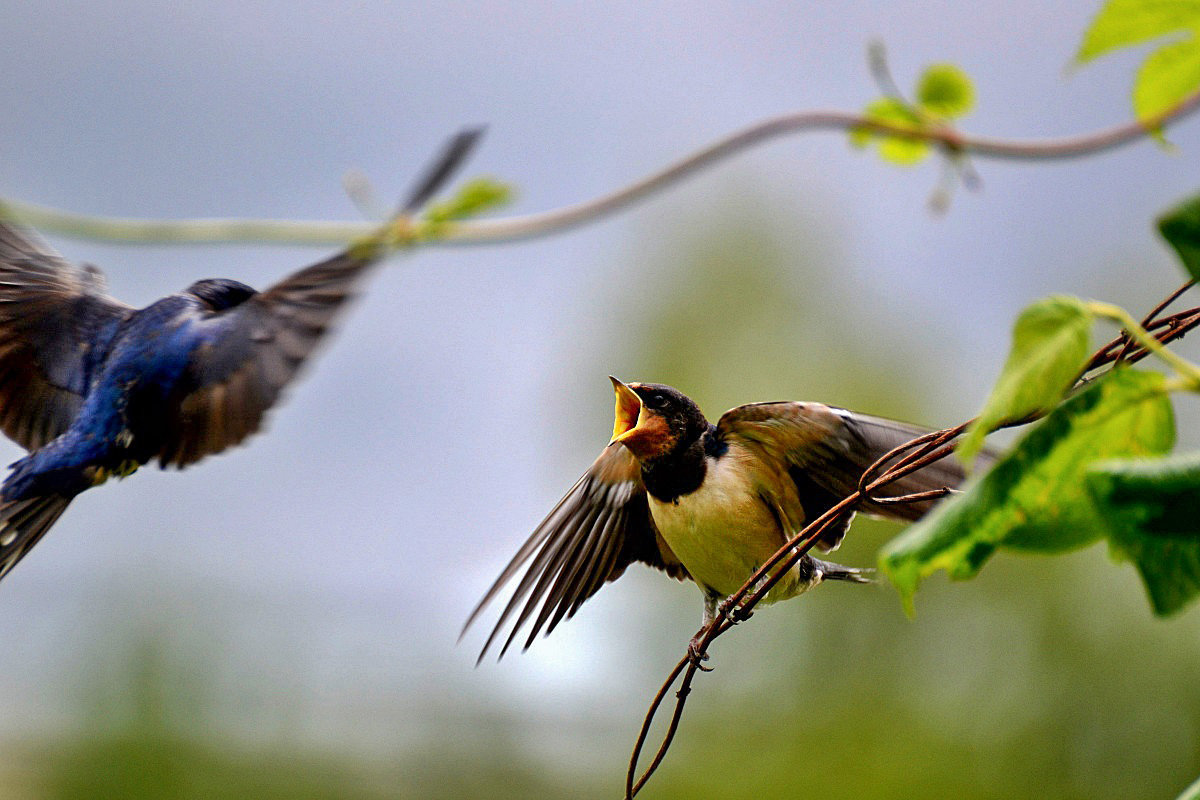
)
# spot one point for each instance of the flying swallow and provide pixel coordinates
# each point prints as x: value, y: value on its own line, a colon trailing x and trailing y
x: 94, y: 388
x: 703, y: 502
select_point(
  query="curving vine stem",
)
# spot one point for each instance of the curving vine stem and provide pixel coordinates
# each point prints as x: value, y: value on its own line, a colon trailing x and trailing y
x: 952, y: 143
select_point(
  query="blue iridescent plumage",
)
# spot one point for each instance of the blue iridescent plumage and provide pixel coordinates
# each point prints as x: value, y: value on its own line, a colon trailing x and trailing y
x: 94, y: 388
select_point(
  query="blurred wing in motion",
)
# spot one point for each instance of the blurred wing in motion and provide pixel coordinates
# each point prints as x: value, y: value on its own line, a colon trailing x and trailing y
x: 248, y: 353
x: 251, y: 351
x: 53, y: 316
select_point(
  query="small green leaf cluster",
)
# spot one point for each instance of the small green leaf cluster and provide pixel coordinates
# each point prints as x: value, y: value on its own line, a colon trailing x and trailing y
x: 1171, y: 72
x: 944, y: 92
x: 1095, y: 466
x: 473, y: 198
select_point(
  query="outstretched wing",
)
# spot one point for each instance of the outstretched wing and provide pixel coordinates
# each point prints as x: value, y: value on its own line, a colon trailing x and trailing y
x: 827, y: 449
x: 249, y: 352
x: 598, y: 529
x: 53, y: 315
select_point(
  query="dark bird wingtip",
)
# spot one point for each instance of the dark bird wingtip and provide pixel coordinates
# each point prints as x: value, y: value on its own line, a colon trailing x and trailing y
x: 479, y: 658
x: 473, y: 132
x: 454, y: 153
x: 462, y: 634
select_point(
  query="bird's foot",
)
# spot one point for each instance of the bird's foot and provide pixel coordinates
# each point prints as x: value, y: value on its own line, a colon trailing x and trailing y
x: 696, y: 653
x: 735, y: 613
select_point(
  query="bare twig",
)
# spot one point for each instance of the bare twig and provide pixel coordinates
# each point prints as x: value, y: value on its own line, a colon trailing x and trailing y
x: 1150, y: 318
x: 877, y: 62
x: 1124, y: 348
x: 952, y: 141
x: 908, y: 457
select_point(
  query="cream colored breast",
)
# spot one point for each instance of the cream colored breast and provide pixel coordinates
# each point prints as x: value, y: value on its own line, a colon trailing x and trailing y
x: 723, y: 530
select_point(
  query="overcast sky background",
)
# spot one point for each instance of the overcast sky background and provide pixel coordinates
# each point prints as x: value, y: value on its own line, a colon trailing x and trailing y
x: 468, y: 388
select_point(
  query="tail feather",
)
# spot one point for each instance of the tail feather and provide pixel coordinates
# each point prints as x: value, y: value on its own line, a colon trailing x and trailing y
x: 23, y: 523
x: 836, y: 572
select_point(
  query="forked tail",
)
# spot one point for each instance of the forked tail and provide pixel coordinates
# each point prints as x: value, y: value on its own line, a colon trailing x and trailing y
x: 836, y: 572
x: 23, y: 523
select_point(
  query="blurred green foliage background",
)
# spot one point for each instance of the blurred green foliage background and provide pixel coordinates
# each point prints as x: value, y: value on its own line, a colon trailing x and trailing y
x: 1042, y: 678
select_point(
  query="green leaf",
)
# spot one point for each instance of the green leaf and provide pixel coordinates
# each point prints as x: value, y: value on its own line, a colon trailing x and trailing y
x: 896, y: 149
x: 861, y: 137
x: 474, y: 197
x: 1171, y: 72
x: 1159, y: 497
x: 1167, y: 76
x: 1034, y: 498
x: 901, y: 151
x: 1150, y: 509
x: 893, y: 111
x: 1181, y: 228
x: 1122, y: 23
x: 945, y: 90
x: 1049, y: 349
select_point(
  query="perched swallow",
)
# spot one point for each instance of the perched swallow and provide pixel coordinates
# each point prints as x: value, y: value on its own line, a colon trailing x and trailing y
x: 704, y: 502
x: 95, y: 388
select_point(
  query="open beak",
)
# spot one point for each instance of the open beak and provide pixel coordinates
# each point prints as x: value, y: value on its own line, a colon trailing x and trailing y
x: 628, y: 411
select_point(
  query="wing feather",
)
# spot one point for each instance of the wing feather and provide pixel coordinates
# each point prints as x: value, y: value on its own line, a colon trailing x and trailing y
x: 254, y: 349
x: 596, y: 530
x: 826, y: 451
x: 251, y: 351
x: 52, y: 316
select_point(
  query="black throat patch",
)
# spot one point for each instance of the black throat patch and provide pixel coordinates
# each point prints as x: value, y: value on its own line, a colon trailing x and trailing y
x: 681, y: 471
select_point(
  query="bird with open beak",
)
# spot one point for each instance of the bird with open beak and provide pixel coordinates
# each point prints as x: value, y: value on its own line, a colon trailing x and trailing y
x: 709, y: 503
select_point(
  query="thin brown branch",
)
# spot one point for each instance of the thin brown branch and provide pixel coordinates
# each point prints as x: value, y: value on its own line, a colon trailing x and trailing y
x: 951, y: 140
x: 908, y: 457
x: 630, y: 788
x: 1150, y: 320
x: 798, y: 546
x: 1123, y: 348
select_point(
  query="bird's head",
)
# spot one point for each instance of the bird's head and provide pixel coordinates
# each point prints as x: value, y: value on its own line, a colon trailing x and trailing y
x: 220, y: 294
x: 652, y: 419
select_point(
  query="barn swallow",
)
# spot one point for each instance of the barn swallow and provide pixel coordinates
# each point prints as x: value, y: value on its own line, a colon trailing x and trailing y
x: 703, y: 502
x: 95, y: 389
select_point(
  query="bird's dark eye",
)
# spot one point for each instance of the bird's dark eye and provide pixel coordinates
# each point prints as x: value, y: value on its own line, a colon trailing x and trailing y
x: 656, y: 401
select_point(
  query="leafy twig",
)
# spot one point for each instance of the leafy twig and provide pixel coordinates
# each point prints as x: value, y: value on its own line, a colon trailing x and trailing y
x: 541, y: 224
x: 1132, y: 330
x: 907, y: 458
